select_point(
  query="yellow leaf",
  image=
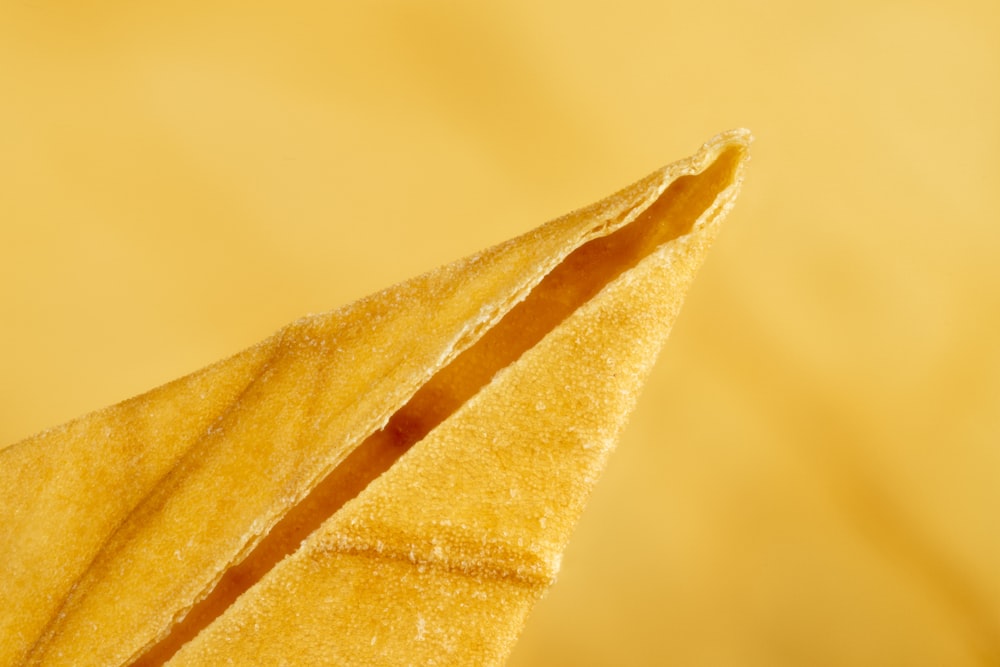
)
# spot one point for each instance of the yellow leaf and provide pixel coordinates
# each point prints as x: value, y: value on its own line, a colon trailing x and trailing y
x: 389, y: 483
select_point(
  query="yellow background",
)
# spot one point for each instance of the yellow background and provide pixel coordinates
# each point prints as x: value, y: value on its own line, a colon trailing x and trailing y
x: 813, y: 474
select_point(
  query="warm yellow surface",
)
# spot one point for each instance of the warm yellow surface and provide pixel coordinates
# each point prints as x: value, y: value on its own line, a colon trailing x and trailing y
x: 812, y: 474
x: 503, y: 379
x: 441, y: 557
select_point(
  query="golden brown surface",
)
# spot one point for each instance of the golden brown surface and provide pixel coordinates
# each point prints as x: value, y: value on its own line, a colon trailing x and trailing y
x: 154, y: 525
x: 450, y: 548
x: 815, y: 450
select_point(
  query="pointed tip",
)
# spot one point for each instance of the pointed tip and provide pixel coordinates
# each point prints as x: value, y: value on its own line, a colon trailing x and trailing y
x: 735, y: 142
x: 738, y: 136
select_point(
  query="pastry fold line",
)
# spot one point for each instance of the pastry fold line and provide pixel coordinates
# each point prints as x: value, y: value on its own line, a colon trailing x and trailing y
x: 122, y: 522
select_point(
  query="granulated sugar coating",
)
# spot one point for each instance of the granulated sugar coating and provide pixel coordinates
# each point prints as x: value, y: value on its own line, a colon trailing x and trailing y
x: 391, y: 483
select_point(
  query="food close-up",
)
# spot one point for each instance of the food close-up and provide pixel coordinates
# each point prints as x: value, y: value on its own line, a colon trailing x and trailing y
x: 392, y: 482
x: 294, y: 372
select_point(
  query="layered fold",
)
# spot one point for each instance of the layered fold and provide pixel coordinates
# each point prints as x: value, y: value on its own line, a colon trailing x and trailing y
x: 392, y: 481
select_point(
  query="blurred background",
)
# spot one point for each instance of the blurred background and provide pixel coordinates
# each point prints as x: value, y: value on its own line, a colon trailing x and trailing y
x: 813, y: 474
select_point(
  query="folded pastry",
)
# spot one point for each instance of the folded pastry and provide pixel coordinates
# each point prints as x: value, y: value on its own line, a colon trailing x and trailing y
x: 389, y: 483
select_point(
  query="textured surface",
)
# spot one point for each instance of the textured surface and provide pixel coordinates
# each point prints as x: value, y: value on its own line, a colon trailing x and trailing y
x: 142, y: 507
x: 810, y: 476
x: 440, y: 558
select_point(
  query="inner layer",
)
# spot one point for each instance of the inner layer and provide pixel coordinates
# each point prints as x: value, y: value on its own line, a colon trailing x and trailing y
x: 569, y: 285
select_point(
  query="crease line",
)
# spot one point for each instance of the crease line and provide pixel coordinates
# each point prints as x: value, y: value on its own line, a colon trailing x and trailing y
x: 44, y: 637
